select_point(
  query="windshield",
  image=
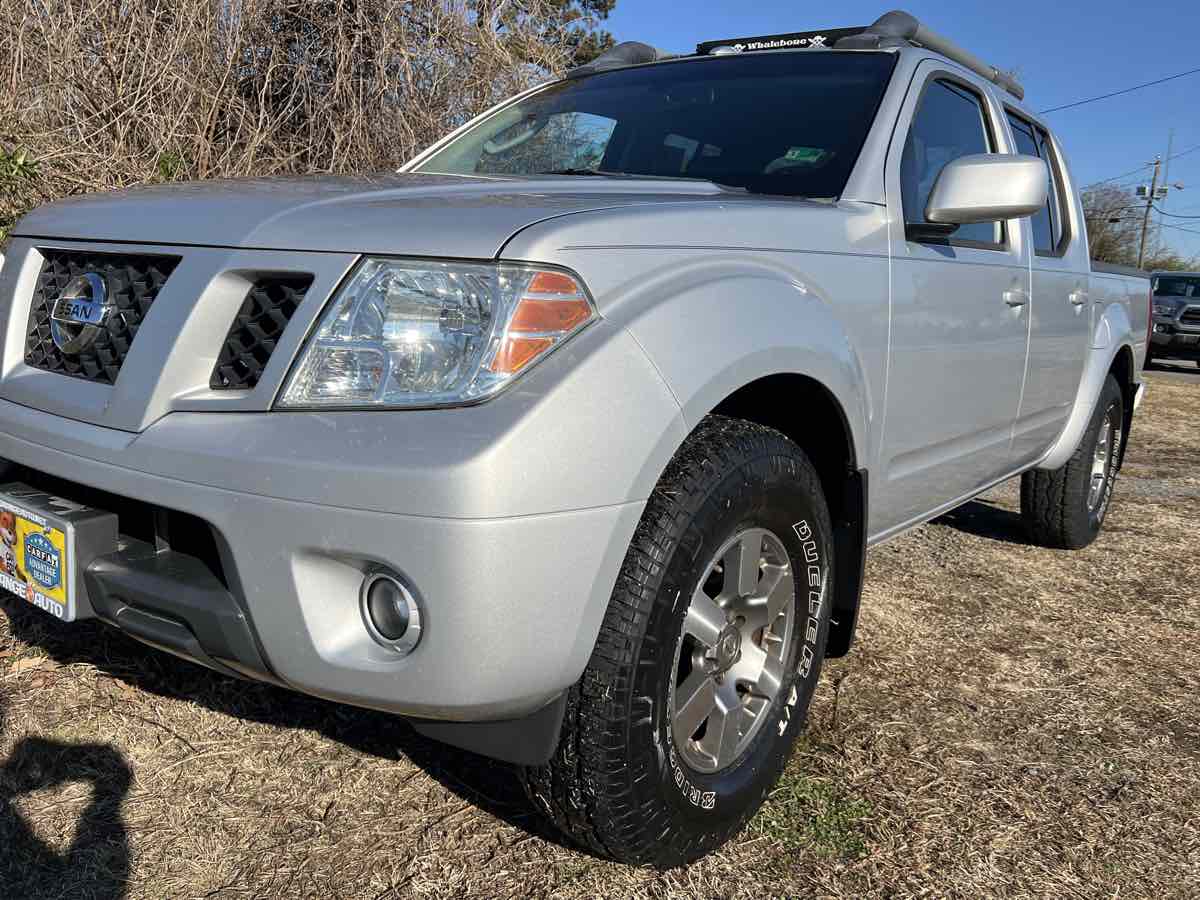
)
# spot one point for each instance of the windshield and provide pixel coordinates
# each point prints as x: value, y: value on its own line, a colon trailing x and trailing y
x: 773, y: 123
x: 1177, y: 286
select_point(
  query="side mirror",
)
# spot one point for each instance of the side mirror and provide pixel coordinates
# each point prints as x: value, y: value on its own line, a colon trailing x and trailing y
x: 988, y: 187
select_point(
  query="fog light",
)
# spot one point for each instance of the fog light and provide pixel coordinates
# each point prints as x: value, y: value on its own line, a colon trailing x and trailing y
x: 390, y: 612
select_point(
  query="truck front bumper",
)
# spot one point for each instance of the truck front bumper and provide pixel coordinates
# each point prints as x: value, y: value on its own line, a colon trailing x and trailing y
x: 510, y: 605
x: 1168, y: 341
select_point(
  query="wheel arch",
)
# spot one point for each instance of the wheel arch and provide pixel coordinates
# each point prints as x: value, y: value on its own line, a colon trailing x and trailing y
x: 1113, y: 358
x: 810, y: 415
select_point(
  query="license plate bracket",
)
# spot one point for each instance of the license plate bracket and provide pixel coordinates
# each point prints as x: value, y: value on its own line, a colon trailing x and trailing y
x: 46, y: 544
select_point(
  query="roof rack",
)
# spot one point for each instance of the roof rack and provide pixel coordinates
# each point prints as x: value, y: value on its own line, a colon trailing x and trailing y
x: 894, y: 29
x: 898, y: 28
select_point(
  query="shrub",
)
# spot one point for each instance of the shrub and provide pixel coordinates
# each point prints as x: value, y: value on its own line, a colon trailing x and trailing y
x: 96, y: 94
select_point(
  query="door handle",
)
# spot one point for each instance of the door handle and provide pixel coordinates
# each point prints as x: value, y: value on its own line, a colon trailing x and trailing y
x: 1016, y: 297
x: 1078, y: 298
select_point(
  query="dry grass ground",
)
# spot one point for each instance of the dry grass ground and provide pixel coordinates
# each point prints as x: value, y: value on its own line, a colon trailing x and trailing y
x: 1013, y: 722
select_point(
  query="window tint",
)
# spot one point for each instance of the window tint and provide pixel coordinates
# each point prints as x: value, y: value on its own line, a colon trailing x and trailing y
x: 949, y: 124
x: 1043, y: 227
x: 1047, y: 224
x: 1056, y: 191
x: 775, y: 123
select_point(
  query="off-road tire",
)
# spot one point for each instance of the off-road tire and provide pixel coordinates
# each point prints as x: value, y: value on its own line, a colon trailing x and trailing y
x: 1054, y: 505
x: 616, y: 785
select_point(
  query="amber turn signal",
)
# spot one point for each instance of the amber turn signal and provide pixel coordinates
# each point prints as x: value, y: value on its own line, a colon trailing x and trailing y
x: 552, y: 307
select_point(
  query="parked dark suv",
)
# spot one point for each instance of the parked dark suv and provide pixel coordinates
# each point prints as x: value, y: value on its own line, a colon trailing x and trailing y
x: 1176, y: 329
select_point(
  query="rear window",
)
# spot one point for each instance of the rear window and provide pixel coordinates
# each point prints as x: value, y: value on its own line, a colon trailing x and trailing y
x: 774, y: 123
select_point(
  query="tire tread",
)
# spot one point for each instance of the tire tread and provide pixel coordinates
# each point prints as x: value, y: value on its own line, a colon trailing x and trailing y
x: 586, y: 788
x: 1054, y: 503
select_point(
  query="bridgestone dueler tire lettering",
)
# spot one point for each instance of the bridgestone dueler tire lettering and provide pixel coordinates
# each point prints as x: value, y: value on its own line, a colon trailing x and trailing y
x: 615, y: 785
x: 1054, y: 504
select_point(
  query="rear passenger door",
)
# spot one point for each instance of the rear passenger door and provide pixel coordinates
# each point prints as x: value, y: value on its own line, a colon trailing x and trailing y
x: 958, y: 319
x: 1059, y: 309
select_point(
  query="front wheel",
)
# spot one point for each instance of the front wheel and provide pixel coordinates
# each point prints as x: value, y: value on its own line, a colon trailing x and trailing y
x: 1066, y: 508
x: 707, y: 659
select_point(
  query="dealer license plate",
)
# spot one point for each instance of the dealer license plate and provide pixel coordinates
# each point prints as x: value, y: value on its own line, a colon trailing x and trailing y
x: 36, y: 553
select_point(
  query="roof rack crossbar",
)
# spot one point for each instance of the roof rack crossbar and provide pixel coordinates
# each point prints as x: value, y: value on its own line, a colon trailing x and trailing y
x: 899, y: 27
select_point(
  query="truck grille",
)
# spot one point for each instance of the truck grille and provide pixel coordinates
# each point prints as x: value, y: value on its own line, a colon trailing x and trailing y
x: 133, y: 284
x: 265, y: 313
x: 1191, y: 316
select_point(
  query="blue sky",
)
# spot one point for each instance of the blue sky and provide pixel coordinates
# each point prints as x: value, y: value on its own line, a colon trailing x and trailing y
x: 1064, y: 51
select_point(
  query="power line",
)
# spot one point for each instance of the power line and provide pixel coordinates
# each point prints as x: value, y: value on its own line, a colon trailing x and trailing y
x: 1186, y: 152
x: 1173, y: 215
x: 1124, y: 175
x: 1179, y: 228
x: 1136, y: 87
x: 1134, y: 172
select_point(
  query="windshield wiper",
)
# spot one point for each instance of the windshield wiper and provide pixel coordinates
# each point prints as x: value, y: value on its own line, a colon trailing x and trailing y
x: 642, y: 177
x: 600, y: 172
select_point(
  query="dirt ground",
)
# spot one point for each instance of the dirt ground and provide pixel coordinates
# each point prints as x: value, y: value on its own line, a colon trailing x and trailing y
x: 1013, y: 722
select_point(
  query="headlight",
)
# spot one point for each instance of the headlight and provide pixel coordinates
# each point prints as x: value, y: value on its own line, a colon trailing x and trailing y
x: 1164, y: 307
x: 414, y: 333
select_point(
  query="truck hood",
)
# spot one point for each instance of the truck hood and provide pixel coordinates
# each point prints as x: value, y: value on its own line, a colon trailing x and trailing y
x: 421, y: 215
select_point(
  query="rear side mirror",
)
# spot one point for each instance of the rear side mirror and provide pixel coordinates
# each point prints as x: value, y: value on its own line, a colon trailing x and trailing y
x: 988, y: 187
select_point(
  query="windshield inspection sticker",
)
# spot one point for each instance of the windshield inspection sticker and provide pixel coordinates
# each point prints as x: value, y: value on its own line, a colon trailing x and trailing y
x: 805, y: 154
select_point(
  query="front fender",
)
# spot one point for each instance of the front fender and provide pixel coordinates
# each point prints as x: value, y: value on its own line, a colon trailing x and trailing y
x: 724, y: 292
x: 731, y: 326
x: 1113, y: 333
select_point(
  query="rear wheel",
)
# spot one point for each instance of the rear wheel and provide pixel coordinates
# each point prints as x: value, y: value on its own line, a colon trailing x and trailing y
x: 707, y: 659
x: 1066, y: 508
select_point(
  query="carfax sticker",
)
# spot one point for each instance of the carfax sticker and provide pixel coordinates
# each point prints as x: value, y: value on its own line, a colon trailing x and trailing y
x: 33, y: 560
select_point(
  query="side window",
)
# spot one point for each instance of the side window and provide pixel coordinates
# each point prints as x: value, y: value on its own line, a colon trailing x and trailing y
x: 1048, y: 223
x: 1043, y: 227
x: 949, y: 123
x: 1057, y: 193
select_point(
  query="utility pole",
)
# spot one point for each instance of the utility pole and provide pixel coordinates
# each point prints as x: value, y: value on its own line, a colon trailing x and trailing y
x: 1167, y: 167
x: 1149, y: 207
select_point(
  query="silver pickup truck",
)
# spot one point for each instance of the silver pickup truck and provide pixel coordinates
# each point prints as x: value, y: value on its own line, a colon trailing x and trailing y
x: 567, y: 442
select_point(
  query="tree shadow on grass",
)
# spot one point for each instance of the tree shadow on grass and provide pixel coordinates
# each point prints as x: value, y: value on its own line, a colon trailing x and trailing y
x: 96, y: 863
x: 489, y: 785
x: 985, y: 519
